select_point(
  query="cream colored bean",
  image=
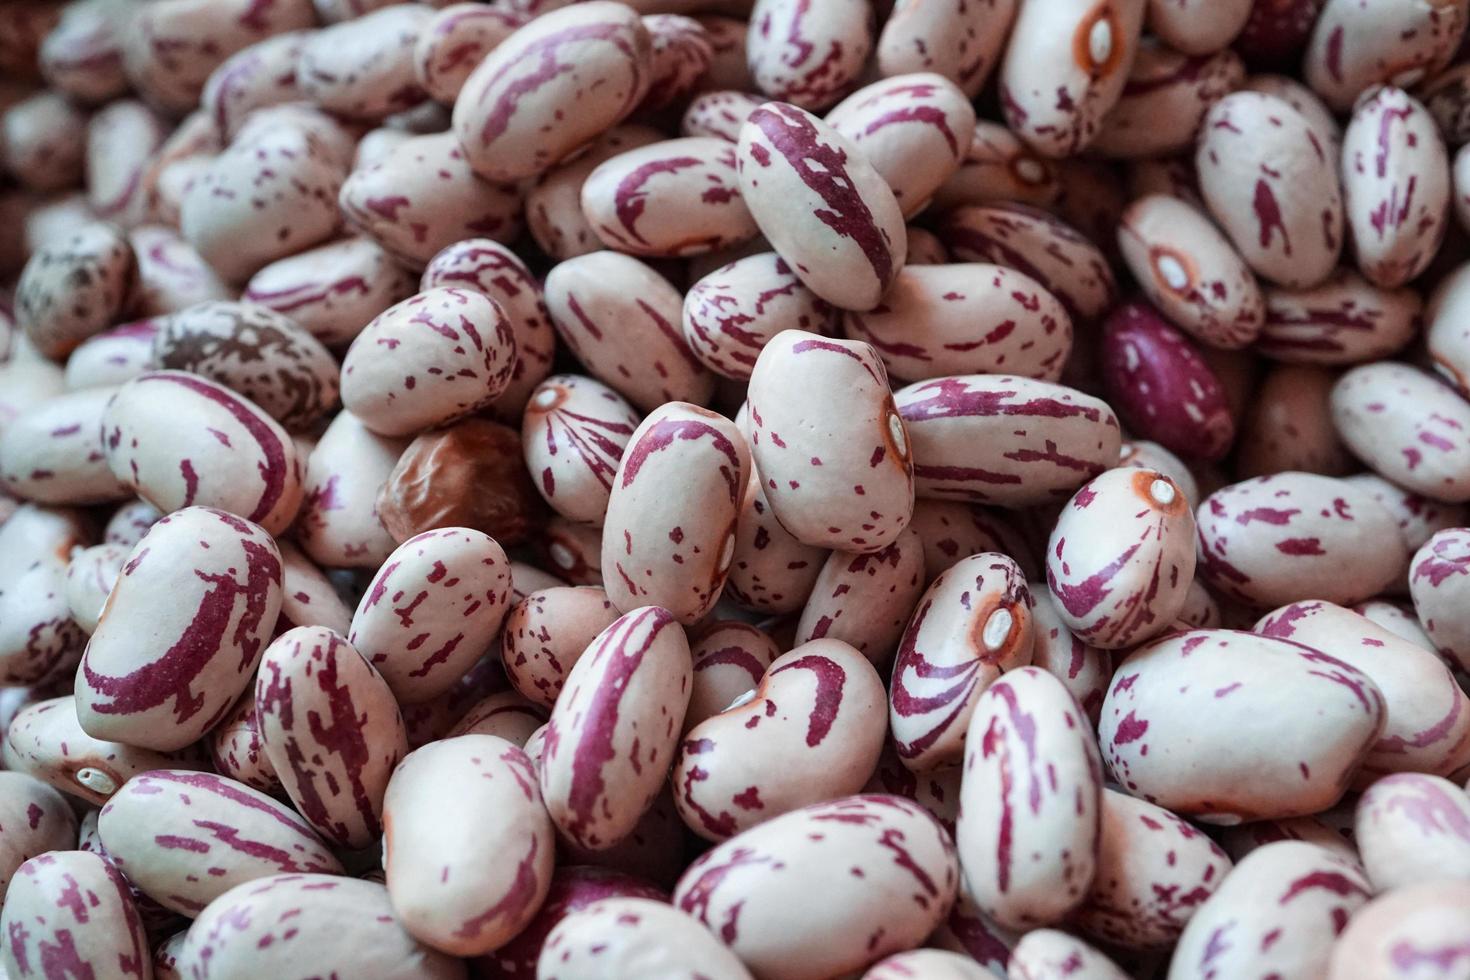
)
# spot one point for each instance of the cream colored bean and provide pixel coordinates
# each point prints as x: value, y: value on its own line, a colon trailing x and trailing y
x: 89, y: 579
x: 999, y: 167
x: 1416, y: 924
x: 454, y: 41
x: 1353, y: 47
x: 554, y: 204
x: 866, y: 598
x: 632, y: 938
x: 1198, y: 26
x: 1413, y: 827
x: 1408, y: 427
x: 34, y: 819
x: 1049, y: 954
x: 734, y: 311
x: 807, y: 55
x: 729, y: 659
x: 958, y: 40
x: 70, y: 911
x: 74, y: 287
x: 338, y: 526
x: 52, y: 453
x: 771, y: 570
x: 1166, y: 95
x: 1437, y: 579
x: 37, y: 634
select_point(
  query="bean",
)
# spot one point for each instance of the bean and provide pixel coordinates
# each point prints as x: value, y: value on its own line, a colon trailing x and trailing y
x: 237, y: 748
x: 1413, y: 827
x: 332, y: 290
x: 822, y: 699
x: 339, y: 525
x: 1407, y: 426
x: 71, y: 907
x: 1196, y: 26
x: 554, y: 205
x: 171, y: 275
x: 1084, y: 670
x: 256, y: 77
x: 1168, y: 92
x: 1049, y: 954
x: 456, y: 39
x: 732, y: 313
x: 719, y: 114
x: 506, y: 715
x: 950, y: 531
x: 808, y: 56
x: 623, y: 938
x: 1436, y: 573
x: 111, y: 357
x: 1349, y: 50
x: 43, y: 142
x: 37, y: 634
x: 957, y: 40
x: 1000, y: 167
x: 82, y: 54
x: 1413, y: 923
x: 36, y: 819
x: 1289, y: 427
x: 363, y: 68
x: 73, y: 288
x: 89, y: 579
x: 546, y: 633
x: 771, y: 570
x: 729, y: 658
x: 52, y: 453
x: 865, y: 598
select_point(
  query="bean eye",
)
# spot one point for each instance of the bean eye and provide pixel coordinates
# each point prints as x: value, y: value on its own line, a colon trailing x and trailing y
x: 1095, y: 46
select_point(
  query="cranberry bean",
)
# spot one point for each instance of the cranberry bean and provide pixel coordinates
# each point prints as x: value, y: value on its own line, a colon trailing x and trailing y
x: 1174, y: 176
x: 333, y: 290
x: 719, y: 114
x: 43, y: 142
x: 586, y: 67
x: 972, y: 625
x: 456, y: 39
x: 1150, y: 371
x: 262, y: 75
x: 72, y: 908
x: 999, y: 167
x: 336, y: 138
x: 1289, y: 427
x: 121, y: 140
x: 308, y: 597
x: 89, y: 579
x: 732, y: 313
x: 1407, y: 426
x: 1069, y: 438
x: 34, y: 819
x: 1276, y: 539
x: 969, y: 931
x: 166, y: 957
x: 1345, y: 320
x: 1352, y: 48
x: 859, y: 493
x: 262, y: 199
x: 82, y: 54
x: 1277, y: 913
x: 111, y: 357
x: 37, y: 634
x: 185, y: 838
x: 1131, y: 560
x: 620, y: 317
x: 1392, y: 145
x: 680, y: 51
x: 506, y: 715
x: 1084, y: 670
x: 1437, y: 579
x: 289, y: 923
x: 623, y: 938
x: 238, y: 751
x: 1032, y: 871
x: 937, y: 791
x: 1266, y: 175
x: 1412, y: 827
x: 1301, y: 98
x: 575, y: 432
x: 808, y: 56
x: 655, y: 848
x: 574, y: 551
x: 232, y: 455
x: 864, y: 599
x: 729, y: 659
x: 339, y: 525
x: 221, y: 579
x: 1428, y: 726
x: 771, y: 570
x: 1198, y: 26
x: 432, y: 611
x: 614, y: 729
x: 951, y: 530
x: 546, y: 633
x: 364, y: 68
x: 1241, y: 840
x: 52, y: 453
x: 960, y: 41
x: 801, y: 912
x: 496, y: 271
x: 498, y: 836
x: 1419, y: 923
x: 1399, y: 619
x: 457, y: 342
x: 1167, y: 93
x: 171, y: 275
x: 1297, y: 763
x: 1049, y: 954
x: 554, y: 204
x: 73, y: 288
x: 1065, y: 66
x: 821, y: 204
x: 967, y: 318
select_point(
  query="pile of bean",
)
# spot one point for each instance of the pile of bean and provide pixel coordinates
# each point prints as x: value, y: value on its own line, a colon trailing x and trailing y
x: 735, y: 489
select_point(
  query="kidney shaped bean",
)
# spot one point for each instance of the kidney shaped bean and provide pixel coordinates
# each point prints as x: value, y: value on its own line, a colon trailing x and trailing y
x: 70, y: 910
x: 34, y: 819
x: 624, y: 938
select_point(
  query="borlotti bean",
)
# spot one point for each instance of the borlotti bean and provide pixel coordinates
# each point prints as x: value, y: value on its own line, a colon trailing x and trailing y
x: 333, y: 290
x: 1085, y: 670
x: 1421, y: 925
x: 182, y: 630
x: 729, y: 659
x: 1266, y: 174
x: 574, y: 432
x: 626, y: 938
x: 1295, y: 761
x: 971, y: 626
x: 586, y: 67
x: 38, y: 637
x: 455, y: 40
x: 966, y: 318
x: 1037, y: 244
x: 719, y: 114
x: 34, y: 819
x: 1050, y: 954
x: 338, y: 526
x: 614, y: 729
x: 1408, y: 426
x: 1046, y: 439
x: 1352, y: 48
x: 112, y: 357
x: 951, y: 531
x: 52, y: 453
x: 1000, y: 167
x: 43, y: 142
x: 554, y: 203
x: 1166, y: 95
x: 185, y: 838
x: 432, y: 610
x: 506, y: 715
x: 733, y: 312
x: 237, y: 749
x: 72, y: 288
x: 89, y: 579
x: 1412, y: 827
x: 1275, y: 539
x: 1029, y: 811
x: 574, y: 551
x: 70, y: 912
x: 1289, y: 427
x: 289, y: 923
x: 674, y: 198
x: 771, y: 570
x: 865, y: 598
x: 1278, y: 912
x: 620, y: 317
x: 496, y: 840
x: 179, y: 440
x: 1438, y: 575
x: 1143, y: 454
x: 824, y: 700
x: 546, y: 633
x: 808, y: 56
x: 262, y: 75
x: 1065, y: 66
x: 821, y: 205
x: 1345, y: 320
x: 171, y: 275
x: 675, y: 554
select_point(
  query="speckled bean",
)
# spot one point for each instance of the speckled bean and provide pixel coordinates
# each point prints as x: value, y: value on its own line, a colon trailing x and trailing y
x: 951, y: 530
x: 1167, y: 93
x: 454, y: 41
x: 573, y: 551
x: 74, y: 287
x: 82, y: 54
x: 364, y: 68
x: 806, y: 55
x: 958, y: 40
x: 37, y: 633
x: 865, y: 598
x: 1417, y: 924
x: 171, y: 275
x: 52, y: 453
x: 729, y: 659
x: 613, y: 731
x: 1408, y: 426
x: 629, y: 938
x: 432, y: 610
x: 111, y: 357
x: 719, y: 114
x: 1354, y: 46
x: 999, y: 167
x: 554, y: 204
x: 338, y: 525
x: 257, y: 77
x: 238, y: 751
x: 1438, y: 575
x: 732, y: 313
x: 1413, y: 827
x: 69, y: 911
x: 1345, y: 320
x: 771, y: 570
x: 90, y: 576
x: 333, y: 290
x: 575, y: 432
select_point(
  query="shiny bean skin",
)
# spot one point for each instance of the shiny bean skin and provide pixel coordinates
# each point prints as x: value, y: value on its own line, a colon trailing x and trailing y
x: 806, y: 55
x: 1289, y: 426
x: 546, y: 633
x: 729, y: 659
x: 951, y: 530
x: 259, y: 76
x: 1419, y: 518
x: 733, y: 312
x: 630, y: 938
x: 1278, y: 912
x: 338, y: 525
x: 858, y: 494
x: 1084, y: 670
x: 972, y: 626
x: 575, y: 431
x: 113, y: 356
x: 1166, y: 95
x: 285, y: 924
x: 801, y: 909
x: 237, y: 749
x: 1413, y: 827
x: 181, y: 632
x: 454, y: 41
x: 1027, y: 841
x: 171, y: 275
x: 1142, y: 454
x: 719, y: 114
x: 37, y: 634
x: 614, y: 729
x: 999, y: 167
x: 1050, y: 954
x: 34, y: 819
x: 496, y: 835
x: 865, y: 598
x: 1407, y: 426
x: 821, y: 205
x: 1352, y: 47
x: 1275, y: 539
x: 185, y: 838
x: 71, y: 289
x: 180, y: 440
x: 363, y: 68
x: 1207, y: 683
x: 432, y: 610
x: 1345, y: 320
x: 332, y: 732
x: 1419, y: 923
x: 958, y: 40
x: 70, y: 910
x: 554, y: 203
x: 1045, y: 439
x: 771, y: 570
x: 52, y: 453
x: 675, y: 554
x: 506, y: 715
x: 1438, y: 575
x: 333, y: 290
x: 574, y: 551
x: 89, y: 578
x: 968, y: 318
